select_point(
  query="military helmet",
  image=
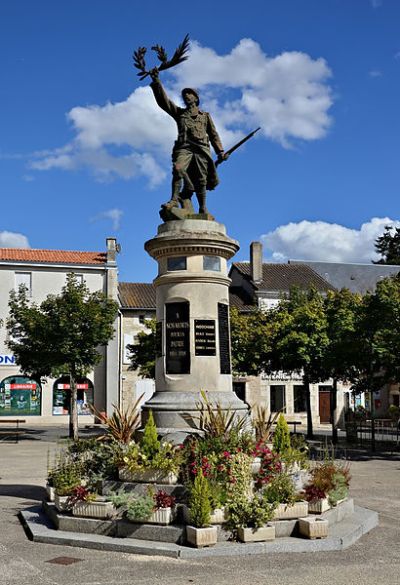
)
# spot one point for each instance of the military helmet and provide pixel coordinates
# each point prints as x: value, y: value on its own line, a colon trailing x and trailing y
x: 192, y: 91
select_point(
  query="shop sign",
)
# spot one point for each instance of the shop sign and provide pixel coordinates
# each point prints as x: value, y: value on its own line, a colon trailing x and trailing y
x: 7, y: 359
x: 78, y: 386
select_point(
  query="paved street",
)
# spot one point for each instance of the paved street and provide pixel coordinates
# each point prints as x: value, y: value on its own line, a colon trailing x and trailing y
x: 373, y: 559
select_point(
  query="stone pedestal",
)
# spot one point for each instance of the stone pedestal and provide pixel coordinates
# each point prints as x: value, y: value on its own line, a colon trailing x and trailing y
x: 193, y: 338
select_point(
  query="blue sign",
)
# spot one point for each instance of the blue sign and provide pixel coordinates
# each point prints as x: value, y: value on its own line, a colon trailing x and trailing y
x: 7, y: 360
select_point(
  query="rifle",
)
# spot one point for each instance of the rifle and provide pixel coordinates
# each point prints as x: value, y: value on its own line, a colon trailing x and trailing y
x: 236, y: 146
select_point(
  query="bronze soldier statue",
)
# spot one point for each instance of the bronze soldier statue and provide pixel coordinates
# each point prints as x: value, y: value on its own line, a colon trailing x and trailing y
x: 193, y: 169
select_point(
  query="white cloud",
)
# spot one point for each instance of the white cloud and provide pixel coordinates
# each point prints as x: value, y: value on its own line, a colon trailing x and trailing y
x: 330, y: 242
x: 376, y: 3
x: 288, y: 95
x: 375, y: 73
x: 114, y: 215
x: 13, y: 240
x: 397, y: 55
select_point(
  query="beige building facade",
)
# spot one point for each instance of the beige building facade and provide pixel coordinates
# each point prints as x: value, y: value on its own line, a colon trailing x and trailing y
x: 44, y: 272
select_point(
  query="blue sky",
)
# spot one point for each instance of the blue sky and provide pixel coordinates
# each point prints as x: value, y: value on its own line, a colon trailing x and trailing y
x: 84, y: 151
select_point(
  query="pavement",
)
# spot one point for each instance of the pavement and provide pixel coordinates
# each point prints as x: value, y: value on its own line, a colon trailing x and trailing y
x: 374, y: 559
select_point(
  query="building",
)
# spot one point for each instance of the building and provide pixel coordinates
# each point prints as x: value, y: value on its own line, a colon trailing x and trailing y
x: 44, y: 272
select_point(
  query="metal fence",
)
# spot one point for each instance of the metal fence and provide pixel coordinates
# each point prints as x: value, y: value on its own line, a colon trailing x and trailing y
x: 387, y: 432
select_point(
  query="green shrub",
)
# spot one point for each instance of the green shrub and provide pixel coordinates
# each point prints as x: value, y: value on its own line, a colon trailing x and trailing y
x: 280, y: 490
x: 134, y: 506
x: 199, y: 502
x: 150, y: 445
x: 281, y: 435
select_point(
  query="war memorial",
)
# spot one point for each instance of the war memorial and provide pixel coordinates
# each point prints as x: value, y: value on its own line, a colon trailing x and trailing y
x: 197, y: 479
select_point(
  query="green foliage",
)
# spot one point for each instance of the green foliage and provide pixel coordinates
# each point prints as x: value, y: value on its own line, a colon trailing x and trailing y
x: 394, y: 412
x: 99, y: 459
x: 62, y: 334
x: 66, y: 474
x: 330, y: 478
x: 388, y: 246
x: 199, y: 502
x: 280, y: 490
x: 377, y: 344
x: 168, y: 458
x: 253, y: 513
x: 250, y: 341
x: 150, y: 445
x: 263, y: 423
x: 216, y: 422
x: 135, y: 507
x: 143, y: 352
x: 281, y: 435
x: 122, y: 424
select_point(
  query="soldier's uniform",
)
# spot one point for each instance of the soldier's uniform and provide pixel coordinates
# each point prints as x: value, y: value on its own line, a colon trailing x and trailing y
x: 191, y: 155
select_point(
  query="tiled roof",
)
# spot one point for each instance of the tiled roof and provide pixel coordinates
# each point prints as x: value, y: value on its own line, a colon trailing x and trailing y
x: 137, y: 295
x: 240, y: 302
x: 356, y: 277
x: 51, y: 256
x: 142, y: 295
x: 280, y: 277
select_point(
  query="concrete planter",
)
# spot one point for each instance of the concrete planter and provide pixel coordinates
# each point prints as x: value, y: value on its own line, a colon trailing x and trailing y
x: 313, y: 527
x: 256, y: 534
x: 96, y: 509
x: 60, y: 502
x: 162, y: 516
x: 148, y: 476
x: 217, y: 516
x: 319, y: 506
x: 256, y: 465
x: 200, y: 537
x: 287, y: 512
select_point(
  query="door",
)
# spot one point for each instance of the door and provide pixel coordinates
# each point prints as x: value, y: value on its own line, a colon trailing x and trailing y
x: 325, y: 404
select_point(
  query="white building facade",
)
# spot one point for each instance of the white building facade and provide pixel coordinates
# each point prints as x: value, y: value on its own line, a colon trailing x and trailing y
x: 44, y: 272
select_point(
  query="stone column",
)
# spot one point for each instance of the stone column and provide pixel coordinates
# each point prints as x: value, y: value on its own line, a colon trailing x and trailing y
x: 193, y: 337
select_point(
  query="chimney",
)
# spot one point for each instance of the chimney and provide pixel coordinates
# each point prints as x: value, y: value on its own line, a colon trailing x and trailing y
x: 256, y: 254
x: 112, y: 250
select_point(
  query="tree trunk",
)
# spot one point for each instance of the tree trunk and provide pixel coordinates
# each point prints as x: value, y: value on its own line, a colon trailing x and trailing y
x: 306, y: 384
x: 333, y: 411
x: 73, y: 409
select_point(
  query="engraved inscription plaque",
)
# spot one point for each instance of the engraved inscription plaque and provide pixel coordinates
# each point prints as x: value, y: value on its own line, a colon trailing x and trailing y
x: 177, y: 338
x: 204, y: 337
x: 224, y: 342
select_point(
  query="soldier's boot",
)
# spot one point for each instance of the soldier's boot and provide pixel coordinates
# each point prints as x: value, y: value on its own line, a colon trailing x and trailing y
x: 174, y: 201
x: 201, y: 195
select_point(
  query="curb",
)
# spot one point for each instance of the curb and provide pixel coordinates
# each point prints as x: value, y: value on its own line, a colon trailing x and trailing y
x: 342, y: 535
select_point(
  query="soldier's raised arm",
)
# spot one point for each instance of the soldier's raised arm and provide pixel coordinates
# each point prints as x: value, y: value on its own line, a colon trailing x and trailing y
x: 160, y: 94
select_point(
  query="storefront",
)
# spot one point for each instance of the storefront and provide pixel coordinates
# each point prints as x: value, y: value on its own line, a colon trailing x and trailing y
x: 61, y: 396
x: 20, y: 396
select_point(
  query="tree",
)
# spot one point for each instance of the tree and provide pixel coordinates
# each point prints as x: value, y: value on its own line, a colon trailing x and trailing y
x: 143, y: 353
x: 299, y: 340
x: 61, y: 335
x: 341, y: 310
x: 250, y: 341
x: 376, y: 359
x: 388, y: 246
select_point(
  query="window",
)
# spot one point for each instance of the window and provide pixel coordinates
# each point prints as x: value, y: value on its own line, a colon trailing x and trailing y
x: 300, y: 399
x: 79, y: 278
x: 25, y: 279
x: 239, y: 389
x: 278, y: 400
x: 212, y: 263
x: 176, y: 263
x: 19, y: 396
x: 142, y: 319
